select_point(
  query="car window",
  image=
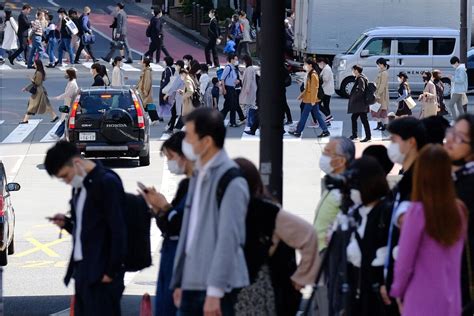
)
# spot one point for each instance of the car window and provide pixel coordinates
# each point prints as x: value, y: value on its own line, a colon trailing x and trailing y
x: 101, y: 103
x: 379, y: 46
x: 413, y: 46
x: 353, y: 49
x: 443, y: 46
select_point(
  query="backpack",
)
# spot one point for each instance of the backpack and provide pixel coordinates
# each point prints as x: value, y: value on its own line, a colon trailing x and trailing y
x: 370, y: 92
x: 148, y: 30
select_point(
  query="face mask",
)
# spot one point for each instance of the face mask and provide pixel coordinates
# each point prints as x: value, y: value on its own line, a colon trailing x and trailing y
x: 305, y: 68
x: 78, y: 179
x: 236, y: 63
x: 175, y: 168
x: 325, y: 164
x: 186, y: 63
x: 399, y: 79
x: 394, y: 153
x: 356, y: 197
x: 188, y: 151
x: 211, y: 16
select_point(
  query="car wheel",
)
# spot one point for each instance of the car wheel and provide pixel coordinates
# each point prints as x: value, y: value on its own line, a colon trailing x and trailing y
x: 144, y: 160
x: 346, y: 87
x: 447, y: 87
x: 3, y: 258
x: 11, y: 246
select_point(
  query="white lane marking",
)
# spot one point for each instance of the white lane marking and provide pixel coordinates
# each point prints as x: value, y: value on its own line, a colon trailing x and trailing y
x: 156, y: 67
x: 165, y: 136
x: 50, y: 136
x: 53, y: 3
x: 5, y: 67
x: 376, y: 135
x: 335, y: 129
x: 87, y: 64
x: 286, y: 137
x: 64, y: 68
x: 2, y: 121
x: 16, y: 168
x: 110, y: 39
x: 127, y: 67
x: 21, y: 132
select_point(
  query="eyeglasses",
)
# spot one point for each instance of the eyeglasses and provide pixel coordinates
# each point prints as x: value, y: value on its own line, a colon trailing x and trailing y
x: 457, y: 137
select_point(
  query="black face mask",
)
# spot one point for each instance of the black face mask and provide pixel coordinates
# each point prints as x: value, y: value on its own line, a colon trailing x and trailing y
x: 425, y: 79
x: 459, y: 163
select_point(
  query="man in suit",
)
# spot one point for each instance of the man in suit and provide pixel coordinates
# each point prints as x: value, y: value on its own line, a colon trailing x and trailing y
x: 121, y: 32
x: 98, y: 228
x: 155, y: 32
x: 213, y: 33
x: 210, y: 265
x: 24, y: 25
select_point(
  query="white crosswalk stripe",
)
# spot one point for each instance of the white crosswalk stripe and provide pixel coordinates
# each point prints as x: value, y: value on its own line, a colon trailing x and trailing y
x: 50, y: 136
x: 5, y: 67
x: 127, y: 67
x: 87, y: 64
x: 156, y: 67
x: 21, y: 132
x: 376, y: 135
x: 2, y: 121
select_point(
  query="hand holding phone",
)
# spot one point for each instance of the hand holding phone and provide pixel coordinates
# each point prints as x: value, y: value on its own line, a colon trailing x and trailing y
x: 142, y: 187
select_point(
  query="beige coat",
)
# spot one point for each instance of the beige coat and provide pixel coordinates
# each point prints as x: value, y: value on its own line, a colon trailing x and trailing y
x: 382, y: 93
x: 39, y: 102
x: 187, y: 96
x: 429, y: 100
x: 144, y: 86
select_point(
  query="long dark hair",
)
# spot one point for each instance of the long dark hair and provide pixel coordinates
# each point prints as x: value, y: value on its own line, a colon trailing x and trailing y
x: 373, y: 184
x: 8, y: 15
x: 40, y: 68
x: 252, y: 176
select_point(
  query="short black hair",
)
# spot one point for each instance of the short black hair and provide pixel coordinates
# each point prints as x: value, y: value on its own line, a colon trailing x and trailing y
x: 208, y: 122
x: 204, y: 68
x: 59, y: 156
x: 188, y: 57
x: 408, y: 127
x: 437, y: 126
x: 174, y: 143
x: 169, y: 61
x: 322, y: 60
x: 121, y: 5
x: 382, y: 61
x: 379, y: 152
x: 215, y: 80
x: 26, y: 6
x: 62, y: 10
x: 146, y: 61
x: 96, y: 66
x: 72, y: 11
x: 454, y: 60
x: 157, y: 11
x: 180, y: 63
x: 373, y: 184
x: 358, y: 68
x: 248, y: 60
x: 230, y: 57
x: 427, y: 74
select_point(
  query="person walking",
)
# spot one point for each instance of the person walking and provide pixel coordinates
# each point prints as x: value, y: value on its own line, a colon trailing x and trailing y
x: 459, y: 86
x: 52, y: 36
x: 229, y: 81
x: 65, y: 43
x: 121, y: 34
x: 246, y: 39
x: 98, y: 230
x: 39, y: 101
x: 155, y: 32
x: 327, y: 78
x: 205, y: 86
x: 248, y: 95
x: 96, y: 70
x: 36, y: 38
x: 166, y: 78
x: 210, y: 264
x: 145, y: 88
x: 429, y: 97
x: 169, y: 216
x: 235, y: 29
x: 71, y: 91
x: 309, y: 98
x: 214, y: 35
x: 118, y: 75
x: 85, y: 34
x: 459, y: 145
x: 357, y: 105
x: 439, y: 92
x: 404, y: 92
x: 382, y: 96
x: 431, y: 242
x: 24, y: 25
x: 187, y: 92
x: 10, y: 38
x: 103, y: 73
x: 175, y: 99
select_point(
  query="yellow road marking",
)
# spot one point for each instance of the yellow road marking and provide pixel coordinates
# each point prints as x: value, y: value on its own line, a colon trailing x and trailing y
x: 41, y: 247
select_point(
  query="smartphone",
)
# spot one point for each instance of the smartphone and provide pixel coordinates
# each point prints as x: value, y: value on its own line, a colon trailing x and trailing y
x: 50, y: 219
x: 142, y: 187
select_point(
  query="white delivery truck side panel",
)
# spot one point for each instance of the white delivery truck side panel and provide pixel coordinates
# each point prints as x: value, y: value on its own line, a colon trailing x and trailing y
x: 331, y: 26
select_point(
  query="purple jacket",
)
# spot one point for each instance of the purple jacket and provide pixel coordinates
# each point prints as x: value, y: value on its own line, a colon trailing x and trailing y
x: 427, y: 274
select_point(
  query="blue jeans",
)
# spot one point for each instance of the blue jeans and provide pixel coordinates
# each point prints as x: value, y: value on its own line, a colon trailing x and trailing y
x: 192, y: 303
x: 308, y: 108
x: 52, y: 44
x: 37, y: 47
x: 164, y: 304
x: 65, y: 45
x: 251, y: 117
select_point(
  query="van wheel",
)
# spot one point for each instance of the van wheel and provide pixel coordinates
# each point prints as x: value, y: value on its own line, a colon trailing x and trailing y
x: 3, y: 258
x: 447, y: 87
x: 11, y: 246
x: 144, y: 160
x: 346, y: 87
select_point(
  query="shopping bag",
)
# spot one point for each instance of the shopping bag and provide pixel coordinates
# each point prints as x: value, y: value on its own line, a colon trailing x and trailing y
x: 375, y: 107
x: 410, y: 103
x: 71, y: 27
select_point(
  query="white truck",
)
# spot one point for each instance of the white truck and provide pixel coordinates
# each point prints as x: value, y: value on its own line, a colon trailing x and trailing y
x: 330, y: 27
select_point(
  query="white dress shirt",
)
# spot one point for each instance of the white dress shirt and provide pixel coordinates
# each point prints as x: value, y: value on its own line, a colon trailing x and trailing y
x: 79, y: 207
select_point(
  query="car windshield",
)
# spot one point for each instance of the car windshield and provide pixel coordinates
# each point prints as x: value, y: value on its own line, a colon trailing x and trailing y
x: 101, y: 102
x: 353, y: 49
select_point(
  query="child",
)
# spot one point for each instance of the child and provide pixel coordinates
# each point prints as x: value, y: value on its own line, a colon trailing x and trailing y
x: 229, y: 46
x: 215, y: 93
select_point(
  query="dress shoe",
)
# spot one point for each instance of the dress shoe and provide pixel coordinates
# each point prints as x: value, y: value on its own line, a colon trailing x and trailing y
x: 324, y: 134
x: 55, y: 119
x: 365, y: 140
x: 353, y: 137
x: 23, y: 122
x: 249, y: 133
x: 11, y: 60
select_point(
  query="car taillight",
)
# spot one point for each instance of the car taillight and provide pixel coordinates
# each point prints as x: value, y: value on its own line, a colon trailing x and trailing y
x: 141, y: 118
x: 72, y: 116
x: 2, y: 202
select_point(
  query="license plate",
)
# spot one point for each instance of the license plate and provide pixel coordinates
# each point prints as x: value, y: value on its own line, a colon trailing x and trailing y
x: 87, y: 137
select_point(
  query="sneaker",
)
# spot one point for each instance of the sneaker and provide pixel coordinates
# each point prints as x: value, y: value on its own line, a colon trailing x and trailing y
x: 324, y: 134
x: 354, y: 137
x: 328, y: 124
x: 50, y: 66
x: 295, y: 134
x: 249, y: 133
x: 365, y: 140
x: 288, y: 122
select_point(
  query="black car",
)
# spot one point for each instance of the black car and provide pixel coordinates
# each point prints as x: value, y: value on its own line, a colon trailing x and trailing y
x: 110, y: 122
x: 7, y: 217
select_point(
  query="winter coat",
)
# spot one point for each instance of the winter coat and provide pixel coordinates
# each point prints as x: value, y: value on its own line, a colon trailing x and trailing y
x: 328, y: 80
x: 357, y: 98
x: 39, y: 102
x: 310, y: 92
x: 459, y: 82
x: 10, y: 38
x: 72, y: 89
x: 430, y: 102
x: 144, y: 86
x: 189, y: 88
x: 382, y: 93
x: 248, y: 95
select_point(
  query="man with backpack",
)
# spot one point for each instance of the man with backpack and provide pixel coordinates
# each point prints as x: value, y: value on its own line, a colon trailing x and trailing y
x: 230, y: 81
x: 154, y: 31
x: 358, y: 104
x: 210, y: 264
x: 97, y: 224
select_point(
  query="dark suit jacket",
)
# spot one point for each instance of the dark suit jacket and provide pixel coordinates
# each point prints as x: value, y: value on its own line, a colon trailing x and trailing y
x: 357, y: 98
x: 98, y: 81
x: 23, y: 25
x: 213, y: 32
x: 103, y: 234
x: 156, y: 28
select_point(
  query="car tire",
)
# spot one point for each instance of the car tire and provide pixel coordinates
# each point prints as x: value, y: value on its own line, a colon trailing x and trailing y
x: 447, y: 82
x: 11, y: 246
x: 144, y: 160
x: 4, y: 258
x: 349, y: 81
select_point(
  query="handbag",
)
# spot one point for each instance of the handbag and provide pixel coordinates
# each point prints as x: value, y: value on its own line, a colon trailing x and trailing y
x: 88, y: 39
x: 117, y: 44
x: 410, y: 103
x: 464, y: 100
x: 196, y: 98
x: 71, y: 26
x: 375, y: 107
x: 32, y: 88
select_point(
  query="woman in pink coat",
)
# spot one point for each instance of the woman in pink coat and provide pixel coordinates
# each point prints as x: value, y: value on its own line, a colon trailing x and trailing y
x: 428, y: 264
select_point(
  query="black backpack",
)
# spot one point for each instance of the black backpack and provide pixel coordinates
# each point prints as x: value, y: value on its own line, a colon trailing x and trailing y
x: 370, y: 92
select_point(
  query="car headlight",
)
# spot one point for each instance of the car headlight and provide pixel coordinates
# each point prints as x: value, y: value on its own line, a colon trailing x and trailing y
x: 342, y: 64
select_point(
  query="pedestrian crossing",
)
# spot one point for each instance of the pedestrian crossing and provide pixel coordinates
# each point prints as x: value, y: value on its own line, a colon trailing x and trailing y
x: 82, y: 67
x: 42, y: 131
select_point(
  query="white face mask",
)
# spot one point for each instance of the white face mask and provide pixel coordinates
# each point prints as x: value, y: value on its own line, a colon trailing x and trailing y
x: 394, y: 153
x: 306, y: 68
x: 400, y: 80
x: 325, y: 164
x: 236, y: 63
x: 188, y: 151
x: 211, y: 16
x: 78, y: 179
x: 186, y: 63
x: 175, y: 168
x: 356, y: 197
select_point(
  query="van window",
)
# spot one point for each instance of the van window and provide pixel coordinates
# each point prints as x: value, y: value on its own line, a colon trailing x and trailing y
x: 443, y: 46
x: 353, y: 49
x: 413, y: 46
x: 379, y: 46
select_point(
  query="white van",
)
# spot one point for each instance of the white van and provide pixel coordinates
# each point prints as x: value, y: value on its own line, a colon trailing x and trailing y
x: 409, y: 49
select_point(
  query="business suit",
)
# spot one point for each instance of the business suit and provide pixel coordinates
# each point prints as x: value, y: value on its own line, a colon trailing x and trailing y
x: 103, y: 241
x: 121, y: 33
x: 213, y: 32
x: 157, y: 44
x: 23, y: 27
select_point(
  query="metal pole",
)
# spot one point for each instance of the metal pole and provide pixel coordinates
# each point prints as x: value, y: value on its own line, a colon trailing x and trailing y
x: 272, y: 94
x: 463, y: 31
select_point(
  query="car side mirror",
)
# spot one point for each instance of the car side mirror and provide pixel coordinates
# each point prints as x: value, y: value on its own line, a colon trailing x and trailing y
x: 64, y: 109
x: 12, y: 187
x: 365, y: 53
